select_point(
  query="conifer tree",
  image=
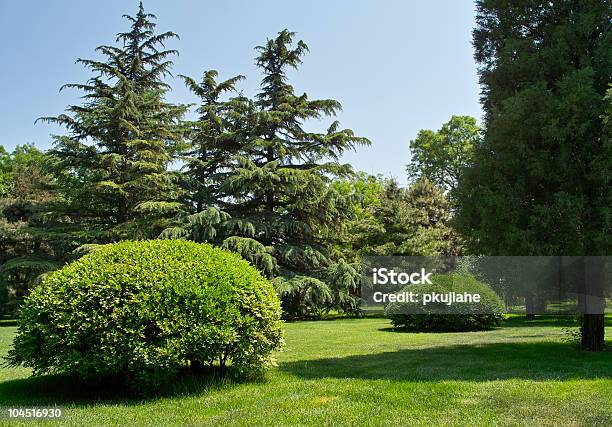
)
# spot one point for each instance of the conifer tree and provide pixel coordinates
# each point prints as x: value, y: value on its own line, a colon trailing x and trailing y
x: 215, y: 134
x: 112, y: 166
x: 213, y: 140
x: 262, y: 181
x: 281, y: 182
x: 280, y: 186
x: 540, y: 181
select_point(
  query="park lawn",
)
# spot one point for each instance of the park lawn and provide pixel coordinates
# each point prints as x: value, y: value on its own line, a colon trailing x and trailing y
x: 360, y: 371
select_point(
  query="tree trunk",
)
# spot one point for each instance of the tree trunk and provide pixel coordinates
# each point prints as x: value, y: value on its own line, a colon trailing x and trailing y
x: 530, y: 306
x: 540, y: 304
x: 592, y: 332
x: 592, y: 303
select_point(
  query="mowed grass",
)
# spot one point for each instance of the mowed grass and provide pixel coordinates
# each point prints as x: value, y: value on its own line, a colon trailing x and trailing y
x: 361, y: 372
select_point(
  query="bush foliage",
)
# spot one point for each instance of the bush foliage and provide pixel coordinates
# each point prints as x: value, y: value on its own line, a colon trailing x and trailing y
x: 486, y: 314
x: 145, y: 310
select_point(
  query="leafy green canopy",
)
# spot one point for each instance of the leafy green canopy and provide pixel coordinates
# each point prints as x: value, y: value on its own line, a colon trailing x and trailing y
x: 21, y: 172
x: 24, y: 255
x: 442, y: 156
x: 111, y: 167
x: 147, y: 309
x: 5, y: 171
x: 391, y: 220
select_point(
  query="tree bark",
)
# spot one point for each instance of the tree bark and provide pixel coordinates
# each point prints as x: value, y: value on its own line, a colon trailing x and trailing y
x: 540, y: 304
x: 592, y: 303
x: 530, y: 306
x: 592, y: 332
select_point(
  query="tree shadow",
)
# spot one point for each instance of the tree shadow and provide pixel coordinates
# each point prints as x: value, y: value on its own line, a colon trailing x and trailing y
x: 58, y: 390
x: 498, y: 361
x: 549, y: 320
x: 559, y: 320
x: 8, y: 323
x: 541, y: 320
x: 404, y: 330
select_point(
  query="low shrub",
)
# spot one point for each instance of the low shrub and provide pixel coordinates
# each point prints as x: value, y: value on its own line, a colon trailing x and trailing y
x: 144, y: 310
x: 439, y: 317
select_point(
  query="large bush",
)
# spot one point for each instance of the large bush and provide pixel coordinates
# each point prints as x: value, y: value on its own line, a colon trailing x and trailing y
x: 145, y: 310
x: 439, y: 317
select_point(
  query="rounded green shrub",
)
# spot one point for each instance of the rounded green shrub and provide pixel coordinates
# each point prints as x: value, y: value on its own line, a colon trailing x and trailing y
x: 145, y: 310
x: 439, y: 317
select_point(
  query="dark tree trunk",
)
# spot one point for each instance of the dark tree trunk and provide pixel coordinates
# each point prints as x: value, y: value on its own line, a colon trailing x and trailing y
x: 592, y: 332
x: 530, y: 306
x: 592, y: 303
x: 540, y: 304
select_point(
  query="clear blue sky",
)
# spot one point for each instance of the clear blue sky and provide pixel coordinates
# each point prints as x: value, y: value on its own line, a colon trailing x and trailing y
x: 396, y: 66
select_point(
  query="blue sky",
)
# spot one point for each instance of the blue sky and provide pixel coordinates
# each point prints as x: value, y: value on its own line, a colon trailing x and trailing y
x: 396, y: 66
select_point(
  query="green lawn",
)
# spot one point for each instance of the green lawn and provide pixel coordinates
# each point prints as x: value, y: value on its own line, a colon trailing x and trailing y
x: 359, y: 371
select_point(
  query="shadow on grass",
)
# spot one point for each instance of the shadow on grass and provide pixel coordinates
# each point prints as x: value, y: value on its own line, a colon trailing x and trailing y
x: 333, y: 317
x: 514, y: 321
x: 60, y: 390
x: 534, y: 361
x: 404, y: 330
x: 8, y: 322
x: 561, y: 320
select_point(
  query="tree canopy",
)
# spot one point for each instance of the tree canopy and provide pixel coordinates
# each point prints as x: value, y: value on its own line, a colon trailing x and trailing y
x: 112, y: 164
x: 442, y: 156
x: 540, y: 181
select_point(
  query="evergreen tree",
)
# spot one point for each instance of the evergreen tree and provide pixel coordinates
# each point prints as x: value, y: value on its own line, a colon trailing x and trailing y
x: 112, y: 166
x: 261, y: 181
x: 279, y: 188
x: 212, y: 137
x: 540, y: 181
x: 411, y: 222
x: 213, y: 140
x: 283, y: 180
x: 431, y: 219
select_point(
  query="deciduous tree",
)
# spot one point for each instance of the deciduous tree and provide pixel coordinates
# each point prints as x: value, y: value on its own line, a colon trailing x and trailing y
x: 442, y: 156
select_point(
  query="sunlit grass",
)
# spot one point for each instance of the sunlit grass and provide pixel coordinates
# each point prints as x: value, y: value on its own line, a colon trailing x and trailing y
x: 360, y: 371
